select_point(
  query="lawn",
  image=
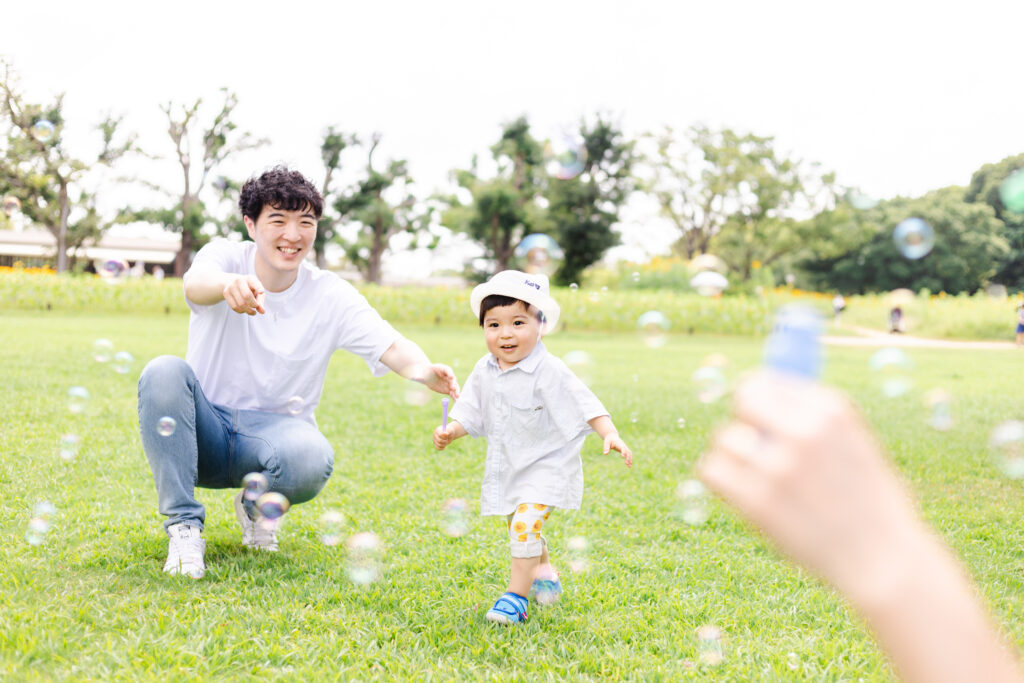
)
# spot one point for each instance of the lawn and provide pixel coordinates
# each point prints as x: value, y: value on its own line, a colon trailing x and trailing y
x: 90, y: 601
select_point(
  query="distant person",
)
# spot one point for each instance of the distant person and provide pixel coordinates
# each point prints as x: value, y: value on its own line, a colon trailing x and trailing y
x: 264, y: 324
x: 1020, y: 324
x: 838, y: 305
x: 895, y: 320
x: 799, y: 463
x: 535, y: 414
x: 158, y: 273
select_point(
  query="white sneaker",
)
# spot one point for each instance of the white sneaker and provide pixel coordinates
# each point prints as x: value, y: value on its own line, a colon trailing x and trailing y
x: 261, y: 535
x: 185, y: 551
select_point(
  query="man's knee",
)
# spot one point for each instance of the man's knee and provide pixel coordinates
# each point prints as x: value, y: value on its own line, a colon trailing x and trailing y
x: 164, y: 371
x: 306, y: 466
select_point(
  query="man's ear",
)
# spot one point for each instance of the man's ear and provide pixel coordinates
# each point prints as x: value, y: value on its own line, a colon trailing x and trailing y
x: 250, y: 226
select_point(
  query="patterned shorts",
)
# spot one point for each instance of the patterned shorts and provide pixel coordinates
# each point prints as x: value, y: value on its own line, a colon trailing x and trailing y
x: 524, y: 529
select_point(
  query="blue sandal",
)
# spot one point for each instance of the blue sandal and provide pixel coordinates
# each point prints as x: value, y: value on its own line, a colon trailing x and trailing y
x: 510, y: 608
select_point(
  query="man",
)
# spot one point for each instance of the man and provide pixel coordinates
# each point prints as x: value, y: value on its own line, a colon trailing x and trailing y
x: 264, y: 323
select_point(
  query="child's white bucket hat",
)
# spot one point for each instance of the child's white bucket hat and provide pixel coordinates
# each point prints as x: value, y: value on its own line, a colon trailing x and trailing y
x: 529, y: 287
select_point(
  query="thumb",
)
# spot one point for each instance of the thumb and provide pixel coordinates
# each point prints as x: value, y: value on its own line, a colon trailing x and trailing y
x: 607, y: 444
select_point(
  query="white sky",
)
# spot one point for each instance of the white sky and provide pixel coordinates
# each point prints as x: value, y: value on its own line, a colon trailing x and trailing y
x: 896, y: 97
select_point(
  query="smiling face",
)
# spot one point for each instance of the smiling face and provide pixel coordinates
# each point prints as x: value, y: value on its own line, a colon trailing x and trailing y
x: 283, y: 240
x: 511, y: 333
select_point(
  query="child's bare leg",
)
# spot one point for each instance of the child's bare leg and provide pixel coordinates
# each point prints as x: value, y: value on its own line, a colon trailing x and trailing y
x: 523, y: 569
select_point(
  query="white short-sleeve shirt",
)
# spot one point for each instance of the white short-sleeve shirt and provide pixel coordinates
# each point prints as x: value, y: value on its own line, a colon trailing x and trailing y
x: 535, y: 417
x: 265, y: 361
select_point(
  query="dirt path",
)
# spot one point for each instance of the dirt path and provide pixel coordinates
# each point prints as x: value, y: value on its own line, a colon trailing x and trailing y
x: 869, y: 337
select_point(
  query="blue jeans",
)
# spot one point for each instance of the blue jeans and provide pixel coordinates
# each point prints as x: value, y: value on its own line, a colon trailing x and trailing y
x: 215, y: 447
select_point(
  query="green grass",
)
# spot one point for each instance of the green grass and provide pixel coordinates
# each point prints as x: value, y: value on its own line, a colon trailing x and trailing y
x: 91, y: 603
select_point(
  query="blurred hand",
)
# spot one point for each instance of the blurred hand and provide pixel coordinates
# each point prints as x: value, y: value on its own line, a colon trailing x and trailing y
x: 799, y: 463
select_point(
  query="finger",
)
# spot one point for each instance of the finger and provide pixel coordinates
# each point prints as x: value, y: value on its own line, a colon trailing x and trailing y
x: 607, y: 446
x: 260, y: 300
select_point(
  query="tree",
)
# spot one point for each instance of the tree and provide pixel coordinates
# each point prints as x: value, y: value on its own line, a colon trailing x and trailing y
x: 503, y: 209
x: 382, y: 206
x: 583, y: 209
x: 188, y: 215
x: 984, y: 188
x: 733, y: 191
x: 334, y: 143
x: 968, y: 246
x: 38, y: 170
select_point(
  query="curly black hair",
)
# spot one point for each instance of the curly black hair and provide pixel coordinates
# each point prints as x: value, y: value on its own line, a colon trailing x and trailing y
x: 282, y: 189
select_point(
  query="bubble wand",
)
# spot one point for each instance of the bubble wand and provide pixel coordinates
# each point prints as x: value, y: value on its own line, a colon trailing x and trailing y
x: 794, y: 346
x: 444, y: 413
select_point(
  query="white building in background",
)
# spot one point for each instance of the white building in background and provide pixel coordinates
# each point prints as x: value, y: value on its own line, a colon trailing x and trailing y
x: 32, y: 245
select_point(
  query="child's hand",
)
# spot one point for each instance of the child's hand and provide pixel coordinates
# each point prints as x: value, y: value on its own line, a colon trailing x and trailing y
x: 614, y: 442
x: 443, y: 437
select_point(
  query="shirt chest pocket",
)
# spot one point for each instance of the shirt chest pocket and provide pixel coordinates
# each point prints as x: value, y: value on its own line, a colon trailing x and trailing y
x: 529, y: 423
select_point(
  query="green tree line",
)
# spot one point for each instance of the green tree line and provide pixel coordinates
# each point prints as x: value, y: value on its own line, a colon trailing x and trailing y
x: 727, y: 193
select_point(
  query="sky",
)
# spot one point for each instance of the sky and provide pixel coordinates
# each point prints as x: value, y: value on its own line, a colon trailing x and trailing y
x: 898, y: 98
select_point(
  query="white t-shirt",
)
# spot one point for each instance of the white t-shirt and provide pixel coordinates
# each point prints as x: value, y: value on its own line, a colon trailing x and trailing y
x: 535, y: 416
x: 265, y: 361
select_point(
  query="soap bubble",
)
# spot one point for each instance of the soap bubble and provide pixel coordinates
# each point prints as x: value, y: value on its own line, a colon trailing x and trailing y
x: 295, y: 405
x: 69, y: 444
x: 102, y: 349
x: 594, y: 297
x: 938, y: 401
x: 272, y: 505
x: 332, y: 525
x: 892, y: 367
x: 654, y: 325
x: 860, y: 201
x: 43, y: 130
x: 578, y: 561
x: 454, y: 521
x: 574, y: 287
x: 636, y: 276
x: 539, y: 253
x: 681, y: 423
x: 546, y: 586
x: 565, y: 156
x: 11, y: 205
x: 711, y: 383
x: 122, y: 362
x: 113, y: 270
x: 78, y: 398
x: 709, y: 645
x: 1007, y: 443
x: 914, y: 238
x: 365, y: 555
x: 416, y: 394
x: 254, y: 484
x: 39, y: 524
x: 692, y: 502
x: 37, y: 530
x: 166, y: 425
x: 1011, y: 191
x: 581, y: 363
